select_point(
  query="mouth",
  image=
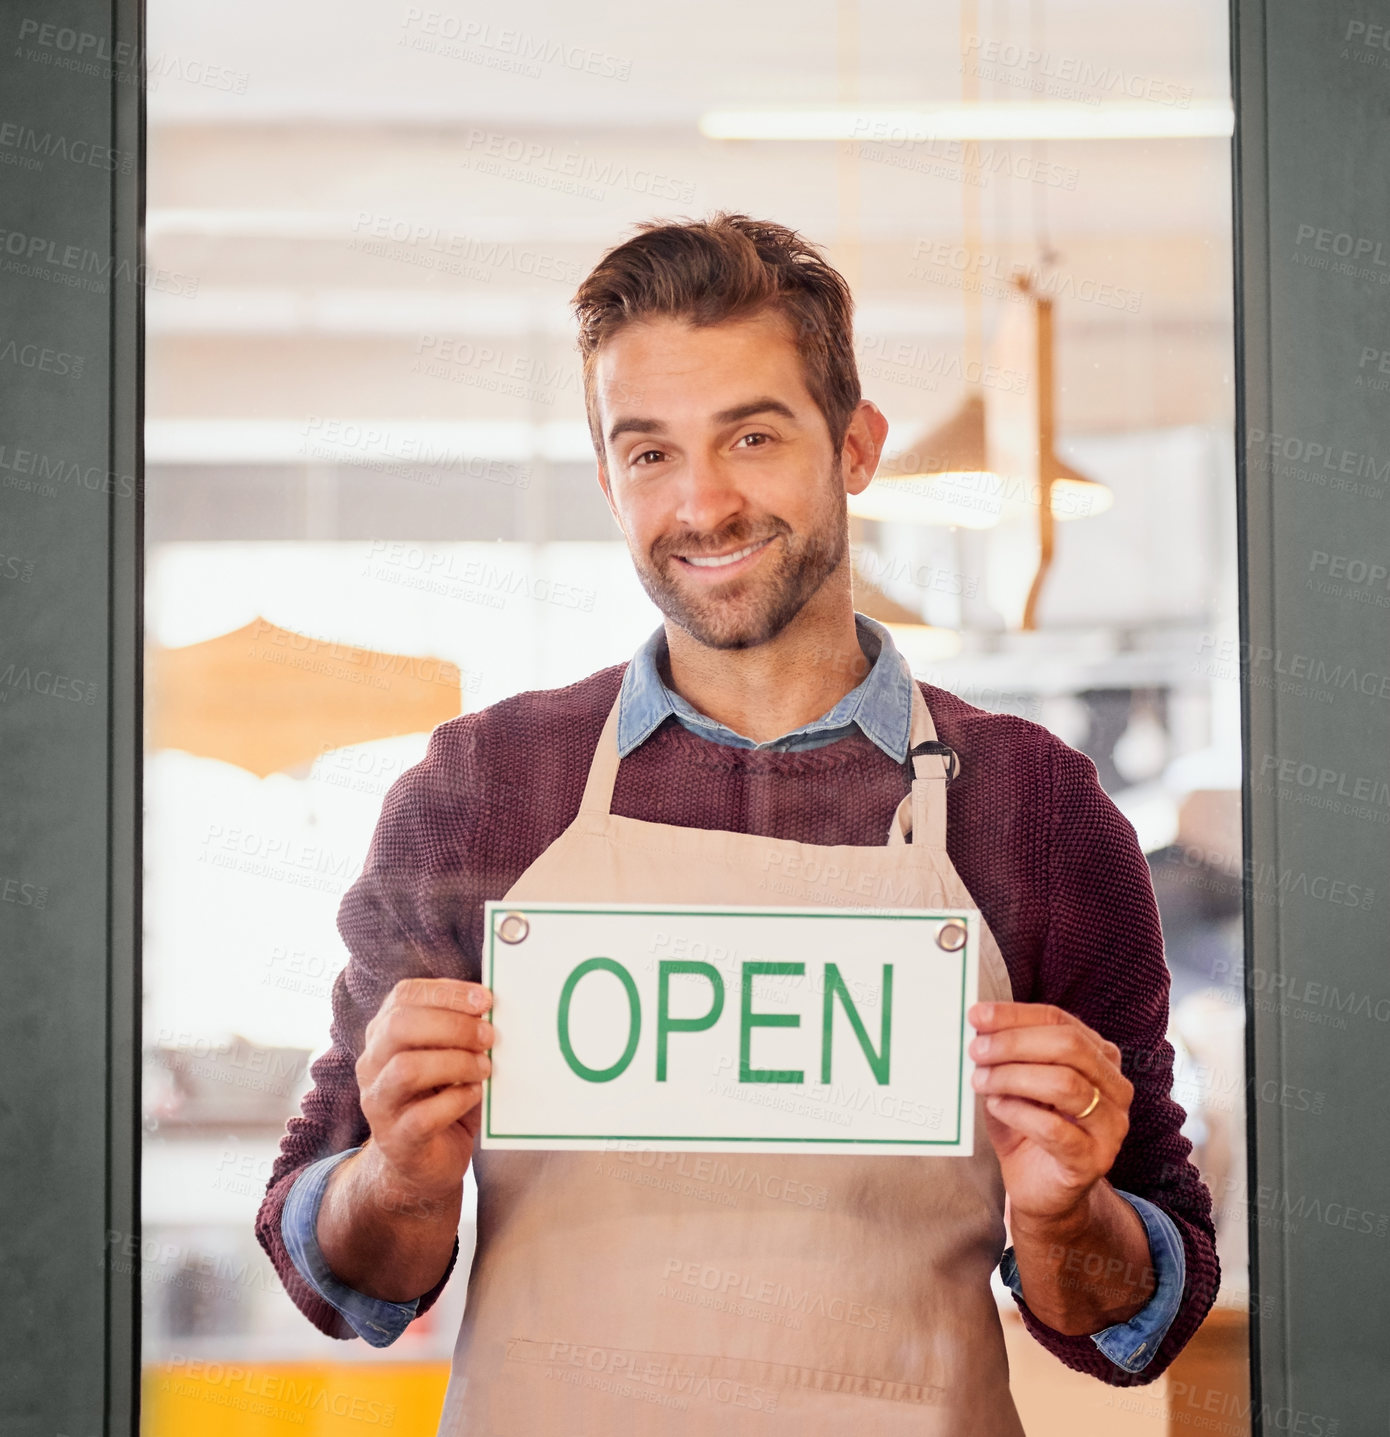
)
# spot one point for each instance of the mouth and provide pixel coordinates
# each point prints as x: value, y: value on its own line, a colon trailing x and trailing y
x: 718, y: 565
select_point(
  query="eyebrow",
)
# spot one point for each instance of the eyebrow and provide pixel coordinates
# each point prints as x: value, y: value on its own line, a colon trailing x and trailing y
x: 764, y: 405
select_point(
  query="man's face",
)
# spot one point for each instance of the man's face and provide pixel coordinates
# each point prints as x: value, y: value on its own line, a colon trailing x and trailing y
x: 721, y: 472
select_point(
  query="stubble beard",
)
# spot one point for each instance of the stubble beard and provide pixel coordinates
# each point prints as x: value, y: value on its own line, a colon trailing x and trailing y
x: 756, y: 609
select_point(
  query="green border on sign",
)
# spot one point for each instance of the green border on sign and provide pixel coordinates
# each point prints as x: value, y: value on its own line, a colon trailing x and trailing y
x: 637, y: 912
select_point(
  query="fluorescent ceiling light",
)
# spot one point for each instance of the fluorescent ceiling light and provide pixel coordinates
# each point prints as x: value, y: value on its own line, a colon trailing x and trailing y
x: 448, y: 221
x: 1005, y: 120
x: 397, y: 445
x: 261, y: 310
x: 975, y: 499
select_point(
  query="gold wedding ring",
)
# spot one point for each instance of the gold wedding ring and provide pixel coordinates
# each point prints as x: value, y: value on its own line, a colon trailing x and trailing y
x: 1091, y: 1106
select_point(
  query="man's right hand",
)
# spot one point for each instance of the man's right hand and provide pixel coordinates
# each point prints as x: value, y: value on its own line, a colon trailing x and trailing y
x: 390, y: 1212
x: 420, y: 1082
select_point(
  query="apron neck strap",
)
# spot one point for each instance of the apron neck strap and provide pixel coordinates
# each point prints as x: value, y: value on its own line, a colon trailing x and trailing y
x: 603, y: 771
x: 922, y: 729
x: 932, y: 765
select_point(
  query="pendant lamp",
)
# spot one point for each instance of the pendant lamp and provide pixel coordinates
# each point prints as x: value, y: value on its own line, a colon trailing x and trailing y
x: 942, y: 478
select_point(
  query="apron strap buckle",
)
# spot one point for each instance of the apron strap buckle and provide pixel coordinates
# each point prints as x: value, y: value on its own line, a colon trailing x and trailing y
x: 936, y: 746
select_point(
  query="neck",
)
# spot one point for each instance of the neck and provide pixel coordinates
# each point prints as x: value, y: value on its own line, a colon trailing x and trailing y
x: 773, y: 688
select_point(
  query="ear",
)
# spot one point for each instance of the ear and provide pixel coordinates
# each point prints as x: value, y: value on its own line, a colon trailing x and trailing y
x: 863, y: 447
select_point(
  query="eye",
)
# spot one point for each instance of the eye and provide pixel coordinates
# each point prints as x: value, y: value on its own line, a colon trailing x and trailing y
x: 754, y: 435
x: 646, y: 454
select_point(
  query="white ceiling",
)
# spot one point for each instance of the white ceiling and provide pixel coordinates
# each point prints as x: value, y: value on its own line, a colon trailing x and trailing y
x: 353, y: 60
x: 280, y: 134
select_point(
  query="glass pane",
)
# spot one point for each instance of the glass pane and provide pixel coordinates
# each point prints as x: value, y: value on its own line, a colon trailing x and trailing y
x: 372, y: 506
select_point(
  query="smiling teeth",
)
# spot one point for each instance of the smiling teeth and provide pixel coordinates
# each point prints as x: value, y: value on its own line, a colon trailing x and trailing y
x: 723, y: 559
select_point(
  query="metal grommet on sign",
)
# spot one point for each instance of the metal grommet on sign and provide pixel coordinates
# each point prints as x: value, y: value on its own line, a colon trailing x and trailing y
x: 513, y: 928
x: 951, y: 937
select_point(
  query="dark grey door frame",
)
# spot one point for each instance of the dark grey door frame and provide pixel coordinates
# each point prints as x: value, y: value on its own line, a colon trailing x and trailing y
x: 1312, y: 186
x: 1313, y: 331
x: 71, y: 413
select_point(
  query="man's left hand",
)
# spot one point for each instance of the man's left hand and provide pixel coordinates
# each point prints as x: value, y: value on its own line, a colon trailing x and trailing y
x: 1039, y: 1069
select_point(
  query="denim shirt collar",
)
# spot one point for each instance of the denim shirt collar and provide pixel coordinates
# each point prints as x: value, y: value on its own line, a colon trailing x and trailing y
x: 881, y: 705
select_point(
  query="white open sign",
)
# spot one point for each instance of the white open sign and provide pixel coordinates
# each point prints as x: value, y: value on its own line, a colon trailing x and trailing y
x: 756, y: 1029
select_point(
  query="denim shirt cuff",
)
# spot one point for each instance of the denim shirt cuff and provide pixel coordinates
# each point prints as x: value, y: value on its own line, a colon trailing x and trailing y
x: 1131, y: 1345
x: 373, y: 1319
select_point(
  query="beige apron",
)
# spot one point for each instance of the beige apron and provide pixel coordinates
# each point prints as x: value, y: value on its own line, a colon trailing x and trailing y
x: 651, y: 1292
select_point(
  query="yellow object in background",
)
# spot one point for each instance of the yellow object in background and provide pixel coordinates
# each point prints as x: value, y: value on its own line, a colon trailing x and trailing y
x: 211, y: 1398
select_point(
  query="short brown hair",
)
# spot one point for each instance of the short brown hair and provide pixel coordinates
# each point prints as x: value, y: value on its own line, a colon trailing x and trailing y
x: 726, y: 267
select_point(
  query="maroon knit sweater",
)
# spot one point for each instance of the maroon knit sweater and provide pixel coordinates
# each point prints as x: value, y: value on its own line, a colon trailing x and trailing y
x: 1046, y: 856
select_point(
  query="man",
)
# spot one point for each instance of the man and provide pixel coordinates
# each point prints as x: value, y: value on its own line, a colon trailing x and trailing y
x: 764, y: 720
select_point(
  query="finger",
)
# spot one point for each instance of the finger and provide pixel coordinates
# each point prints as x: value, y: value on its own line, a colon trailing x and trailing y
x: 435, y: 1114
x: 995, y: 1017
x: 418, y: 1072
x: 416, y: 1027
x: 1063, y: 1045
x: 453, y: 994
x: 1000, y: 1017
x: 1064, y: 1089
x: 1067, y: 1142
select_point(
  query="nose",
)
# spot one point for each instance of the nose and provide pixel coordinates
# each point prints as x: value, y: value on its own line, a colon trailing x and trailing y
x: 709, y: 497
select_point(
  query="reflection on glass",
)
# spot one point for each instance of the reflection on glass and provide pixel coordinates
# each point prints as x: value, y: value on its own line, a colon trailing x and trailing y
x: 371, y: 505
